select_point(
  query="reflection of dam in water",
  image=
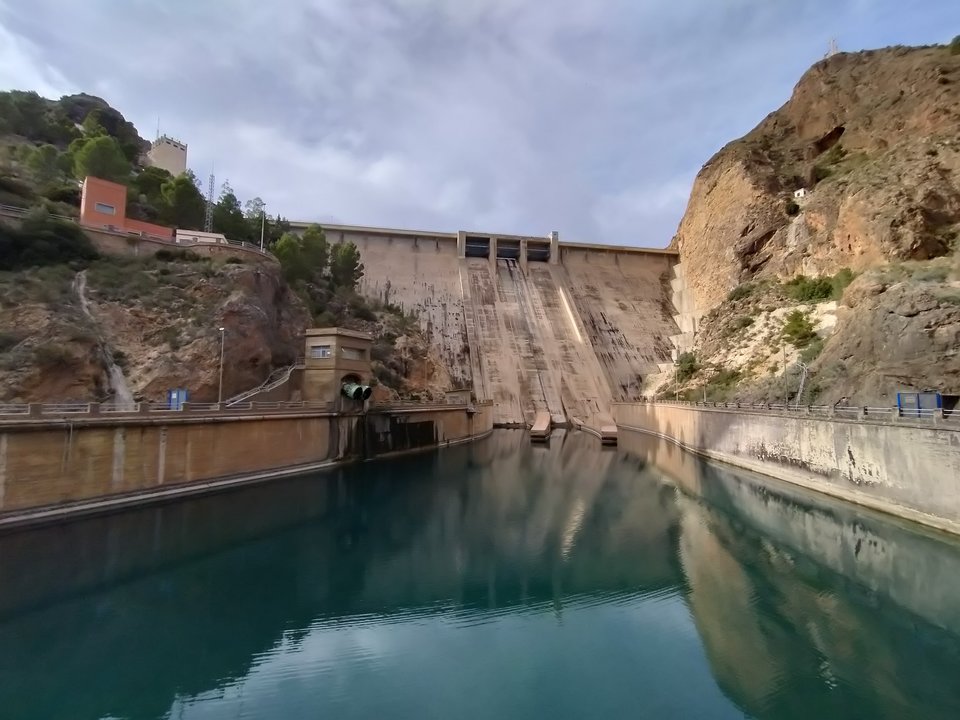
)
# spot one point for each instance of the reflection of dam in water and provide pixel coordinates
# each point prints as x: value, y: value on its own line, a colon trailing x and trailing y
x: 576, y: 582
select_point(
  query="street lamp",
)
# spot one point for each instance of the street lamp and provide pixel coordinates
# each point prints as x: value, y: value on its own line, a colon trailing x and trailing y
x: 263, y: 222
x: 220, y: 387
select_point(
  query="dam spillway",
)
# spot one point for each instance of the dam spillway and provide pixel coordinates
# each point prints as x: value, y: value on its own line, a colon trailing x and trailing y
x: 530, y: 323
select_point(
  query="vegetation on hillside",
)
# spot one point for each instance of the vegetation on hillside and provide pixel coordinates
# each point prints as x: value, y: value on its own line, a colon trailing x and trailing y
x: 42, y: 240
x: 47, y: 147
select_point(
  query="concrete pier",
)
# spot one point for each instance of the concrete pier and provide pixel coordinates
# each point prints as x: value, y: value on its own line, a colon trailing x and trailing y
x: 540, y: 432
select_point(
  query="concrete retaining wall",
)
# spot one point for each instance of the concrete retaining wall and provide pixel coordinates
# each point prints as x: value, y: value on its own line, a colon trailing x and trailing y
x: 118, y: 243
x: 913, y: 472
x: 50, y: 470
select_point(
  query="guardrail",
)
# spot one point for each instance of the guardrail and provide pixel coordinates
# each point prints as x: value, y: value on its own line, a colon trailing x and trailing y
x: 847, y: 412
x: 59, y: 411
x: 21, y: 411
x: 273, y: 381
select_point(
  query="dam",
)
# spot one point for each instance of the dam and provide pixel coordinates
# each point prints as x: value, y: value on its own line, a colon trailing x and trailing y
x: 532, y: 324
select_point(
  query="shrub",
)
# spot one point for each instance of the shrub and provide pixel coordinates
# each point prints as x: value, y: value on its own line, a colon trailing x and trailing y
x: 955, y: 46
x: 811, y: 351
x: 687, y: 366
x: 174, y: 255
x: 937, y: 273
x: 798, y: 330
x: 52, y: 356
x: 840, y: 281
x: 804, y: 289
x: 741, y: 291
x: 720, y: 386
x: 386, y: 375
x: 233, y: 260
x: 741, y: 323
x: 821, y: 173
x: 792, y: 208
x: 42, y: 240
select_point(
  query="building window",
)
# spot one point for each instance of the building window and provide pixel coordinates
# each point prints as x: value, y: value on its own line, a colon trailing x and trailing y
x: 352, y: 353
x: 320, y: 351
x: 105, y: 209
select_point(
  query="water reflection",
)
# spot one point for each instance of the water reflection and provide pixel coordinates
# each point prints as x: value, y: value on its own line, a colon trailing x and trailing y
x: 496, y: 580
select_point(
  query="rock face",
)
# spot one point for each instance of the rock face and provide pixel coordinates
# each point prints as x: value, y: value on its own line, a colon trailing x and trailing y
x: 873, y: 138
x: 158, y: 321
x: 893, y: 334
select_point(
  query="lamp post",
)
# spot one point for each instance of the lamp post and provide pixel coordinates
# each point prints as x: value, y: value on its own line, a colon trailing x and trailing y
x: 220, y: 386
x: 263, y: 222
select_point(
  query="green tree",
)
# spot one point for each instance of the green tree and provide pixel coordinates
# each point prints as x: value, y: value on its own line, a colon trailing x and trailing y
x: 228, y: 216
x: 149, y: 184
x: 798, y: 330
x: 101, y: 157
x: 316, y: 251
x: 254, y: 209
x: 345, y: 266
x: 289, y: 251
x: 44, y: 164
x: 955, y: 46
x: 183, y: 204
x: 687, y: 366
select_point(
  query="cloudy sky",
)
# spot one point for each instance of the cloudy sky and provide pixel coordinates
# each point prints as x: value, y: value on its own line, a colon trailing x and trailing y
x: 590, y: 117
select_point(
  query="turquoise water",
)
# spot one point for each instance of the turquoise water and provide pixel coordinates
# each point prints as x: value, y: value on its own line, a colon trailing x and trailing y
x: 492, y: 581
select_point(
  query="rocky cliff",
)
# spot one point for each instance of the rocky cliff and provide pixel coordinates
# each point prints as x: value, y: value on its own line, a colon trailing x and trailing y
x: 872, y: 142
x: 874, y: 139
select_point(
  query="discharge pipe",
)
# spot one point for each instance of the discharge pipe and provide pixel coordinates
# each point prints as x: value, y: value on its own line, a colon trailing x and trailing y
x: 355, y: 391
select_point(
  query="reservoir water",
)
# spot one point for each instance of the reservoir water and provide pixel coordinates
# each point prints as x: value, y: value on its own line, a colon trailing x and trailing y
x: 496, y: 580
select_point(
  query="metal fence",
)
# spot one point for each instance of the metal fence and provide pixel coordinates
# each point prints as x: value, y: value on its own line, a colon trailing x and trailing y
x: 866, y: 414
x: 52, y: 411
x: 21, y: 411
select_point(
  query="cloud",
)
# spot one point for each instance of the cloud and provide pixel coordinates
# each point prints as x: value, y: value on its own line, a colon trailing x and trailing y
x: 500, y: 115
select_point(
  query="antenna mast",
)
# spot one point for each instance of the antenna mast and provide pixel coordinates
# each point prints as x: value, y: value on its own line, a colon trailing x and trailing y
x: 833, y: 50
x: 208, y: 217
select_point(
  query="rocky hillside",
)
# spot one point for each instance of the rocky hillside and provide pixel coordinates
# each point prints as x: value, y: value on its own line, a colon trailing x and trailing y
x: 873, y: 138
x: 61, y: 329
x: 157, y: 320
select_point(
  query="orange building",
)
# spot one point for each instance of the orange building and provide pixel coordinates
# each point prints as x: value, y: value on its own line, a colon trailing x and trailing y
x: 103, y: 204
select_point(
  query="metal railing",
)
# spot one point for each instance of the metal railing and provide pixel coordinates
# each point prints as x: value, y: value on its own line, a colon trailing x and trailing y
x: 846, y: 412
x: 274, y: 380
x: 21, y: 411
x: 51, y: 411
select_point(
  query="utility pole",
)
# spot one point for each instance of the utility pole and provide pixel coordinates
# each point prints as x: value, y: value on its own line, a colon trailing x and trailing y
x: 220, y: 386
x: 208, y: 217
x: 783, y: 348
x: 676, y: 380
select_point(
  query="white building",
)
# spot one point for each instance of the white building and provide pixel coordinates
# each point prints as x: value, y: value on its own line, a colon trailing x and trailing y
x: 190, y: 237
x: 799, y: 194
x: 169, y: 154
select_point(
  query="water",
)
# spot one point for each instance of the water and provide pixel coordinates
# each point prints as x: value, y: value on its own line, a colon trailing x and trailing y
x: 490, y: 581
x: 122, y: 395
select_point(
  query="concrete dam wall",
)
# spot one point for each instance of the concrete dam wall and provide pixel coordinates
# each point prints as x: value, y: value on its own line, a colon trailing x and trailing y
x: 532, y: 324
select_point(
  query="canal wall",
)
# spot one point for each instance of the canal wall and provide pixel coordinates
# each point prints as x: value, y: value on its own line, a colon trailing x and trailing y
x: 52, y: 468
x: 903, y: 469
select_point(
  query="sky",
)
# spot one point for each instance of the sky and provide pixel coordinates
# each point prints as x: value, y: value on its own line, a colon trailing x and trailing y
x: 589, y: 117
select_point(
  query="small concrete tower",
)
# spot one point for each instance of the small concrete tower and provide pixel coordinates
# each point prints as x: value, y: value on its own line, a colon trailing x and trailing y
x: 337, y: 367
